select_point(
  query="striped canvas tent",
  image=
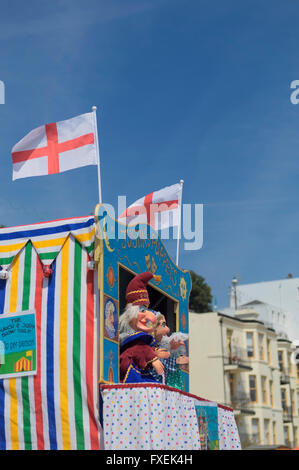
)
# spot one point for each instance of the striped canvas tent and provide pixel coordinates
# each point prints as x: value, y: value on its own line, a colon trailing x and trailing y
x: 58, y: 407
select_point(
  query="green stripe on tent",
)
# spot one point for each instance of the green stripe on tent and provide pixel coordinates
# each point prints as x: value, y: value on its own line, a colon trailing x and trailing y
x: 4, y: 261
x: 25, y: 386
x: 77, y: 346
x: 90, y: 248
x: 27, y: 276
x: 50, y: 255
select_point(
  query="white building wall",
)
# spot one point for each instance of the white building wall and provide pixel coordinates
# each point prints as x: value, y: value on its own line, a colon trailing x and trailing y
x: 283, y: 295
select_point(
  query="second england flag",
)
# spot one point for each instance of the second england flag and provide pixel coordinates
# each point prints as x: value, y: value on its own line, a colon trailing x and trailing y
x: 160, y: 209
x: 57, y: 147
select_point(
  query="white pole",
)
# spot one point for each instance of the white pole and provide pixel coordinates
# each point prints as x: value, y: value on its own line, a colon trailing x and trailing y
x: 94, y: 110
x: 180, y: 216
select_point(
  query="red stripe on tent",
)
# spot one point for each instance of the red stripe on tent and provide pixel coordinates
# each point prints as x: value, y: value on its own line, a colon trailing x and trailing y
x: 90, y: 336
x: 37, y: 378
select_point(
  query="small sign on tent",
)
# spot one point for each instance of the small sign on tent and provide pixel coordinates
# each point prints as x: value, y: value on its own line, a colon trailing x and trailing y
x: 17, y: 344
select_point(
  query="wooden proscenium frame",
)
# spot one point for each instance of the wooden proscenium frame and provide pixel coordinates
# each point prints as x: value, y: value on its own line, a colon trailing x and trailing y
x: 120, y: 254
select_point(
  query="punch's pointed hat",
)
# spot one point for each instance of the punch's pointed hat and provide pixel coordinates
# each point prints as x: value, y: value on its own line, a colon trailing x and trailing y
x: 136, y: 292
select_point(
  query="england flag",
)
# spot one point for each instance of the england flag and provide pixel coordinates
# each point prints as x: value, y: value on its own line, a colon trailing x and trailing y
x: 160, y: 209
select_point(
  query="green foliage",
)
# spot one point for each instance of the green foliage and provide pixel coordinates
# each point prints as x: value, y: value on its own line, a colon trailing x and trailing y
x: 200, y: 297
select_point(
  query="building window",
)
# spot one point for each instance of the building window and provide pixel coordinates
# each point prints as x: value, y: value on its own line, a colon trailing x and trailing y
x: 274, y: 432
x: 252, y: 388
x: 261, y: 347
x: 269, y: 351
x: 271, y: 394
x: 250, y: 344
x: 255, y: 427
x: 283, y: 399
x: 280, y: 361
x: 267, y: 431
x: 264, y: 390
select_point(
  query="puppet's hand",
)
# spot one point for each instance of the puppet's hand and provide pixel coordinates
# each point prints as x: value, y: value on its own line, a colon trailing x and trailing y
x: 182, y: 360
x: 158, y: 366
x: 175, y: 344
x: 157, y: 278
x: 162, y: 353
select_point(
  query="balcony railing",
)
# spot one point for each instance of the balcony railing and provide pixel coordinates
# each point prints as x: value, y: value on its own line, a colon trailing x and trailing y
x: 284, y: 376
x: 242, y: 403
x: 248, y: 439
x: 236, y: 358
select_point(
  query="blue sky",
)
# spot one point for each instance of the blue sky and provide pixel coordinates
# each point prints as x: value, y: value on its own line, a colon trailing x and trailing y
x: 198, y: 90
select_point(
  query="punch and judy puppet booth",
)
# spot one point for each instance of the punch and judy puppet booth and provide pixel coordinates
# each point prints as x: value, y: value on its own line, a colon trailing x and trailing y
x: 148, y: 415
x: 62, y: 290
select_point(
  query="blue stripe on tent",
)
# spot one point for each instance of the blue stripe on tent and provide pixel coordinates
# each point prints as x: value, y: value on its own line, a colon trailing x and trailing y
x: 46, y: 231
x: 2, y: 294
x: 50, y: 359
x: 2, y: 419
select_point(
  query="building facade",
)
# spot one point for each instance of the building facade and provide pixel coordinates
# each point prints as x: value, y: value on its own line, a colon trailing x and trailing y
x: 277, y: 302
x: 241, y: 362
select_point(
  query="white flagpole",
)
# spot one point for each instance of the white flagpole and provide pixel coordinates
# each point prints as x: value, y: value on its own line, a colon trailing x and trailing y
x: 180, y: 216
x: 94, y: 110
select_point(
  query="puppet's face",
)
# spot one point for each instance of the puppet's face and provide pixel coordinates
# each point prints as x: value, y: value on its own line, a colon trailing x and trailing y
x: 161, y: 329
x: 145, y: 321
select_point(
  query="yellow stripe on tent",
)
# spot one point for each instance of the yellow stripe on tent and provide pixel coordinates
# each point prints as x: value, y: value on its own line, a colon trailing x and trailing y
x: 63, y: 346
x: 12, y: 382
x: 14, y: 285
x: 48, y: 243
x: 84, y: 237
x: 14, y: 429
x: 12, y: 248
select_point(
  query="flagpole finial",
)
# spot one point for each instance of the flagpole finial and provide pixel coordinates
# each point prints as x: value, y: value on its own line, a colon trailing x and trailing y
x: 94, y: 108
x: 181, y: 181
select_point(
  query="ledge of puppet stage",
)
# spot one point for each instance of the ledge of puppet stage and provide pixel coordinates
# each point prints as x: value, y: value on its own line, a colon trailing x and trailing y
x: 158, y: 417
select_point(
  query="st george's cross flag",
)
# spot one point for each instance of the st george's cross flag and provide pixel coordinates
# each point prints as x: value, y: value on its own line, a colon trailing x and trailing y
x: 56, y: 147
x: 160, y: 209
